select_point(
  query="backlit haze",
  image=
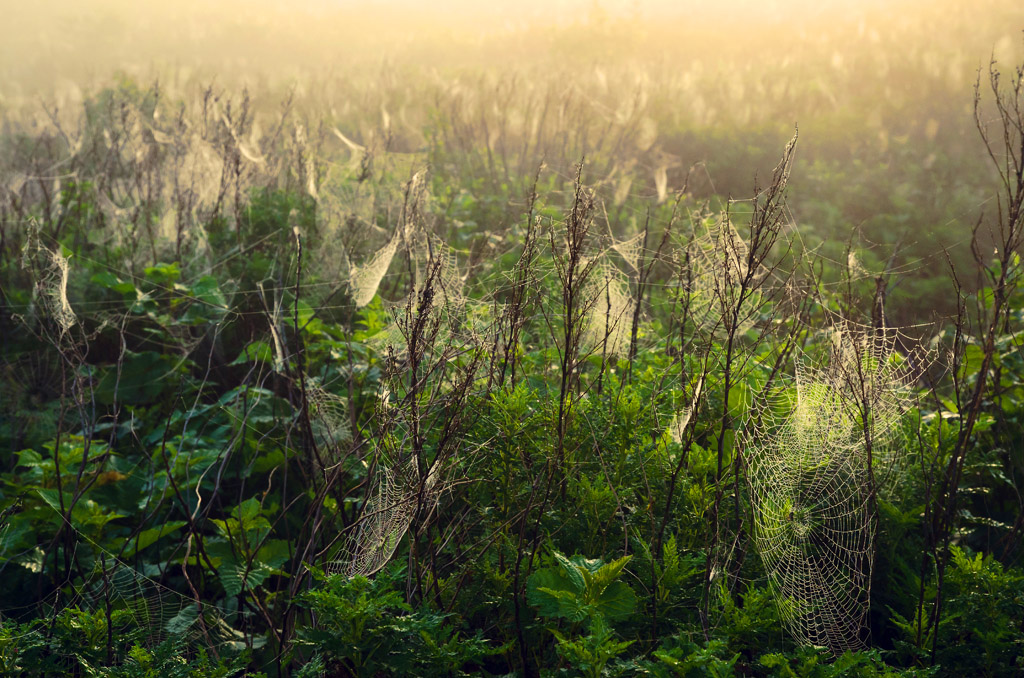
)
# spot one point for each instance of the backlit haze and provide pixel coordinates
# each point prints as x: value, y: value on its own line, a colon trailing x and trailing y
x: 48, y: 44
x: 882, y: 91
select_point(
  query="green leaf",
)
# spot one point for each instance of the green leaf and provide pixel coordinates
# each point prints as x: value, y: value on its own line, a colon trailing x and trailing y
x: 86, y: 512
x: 573, y: 573
x: 257, y: 351
x: 209, y: 303
x: 247, y: 510
x: 540, y: 588
x: 610, y: 572
x: 617, y: 601
x: 238, y: 576
x: 180, y: 623
x: 111, y: 282
x: 164, y: 275
x: 148, y: 537
x: 141, y: 380
x: 971, y: 361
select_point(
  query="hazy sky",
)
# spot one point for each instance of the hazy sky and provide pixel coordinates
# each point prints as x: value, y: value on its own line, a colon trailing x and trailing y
x: 45, y: 42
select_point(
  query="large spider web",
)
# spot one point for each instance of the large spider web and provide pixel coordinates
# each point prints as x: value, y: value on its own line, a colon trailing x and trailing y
x: 141, y: 611
x: 386, y: 518
x: 151, y: 613
x: 454, y: 319
x: 451, y: 322
x: 817, y: 455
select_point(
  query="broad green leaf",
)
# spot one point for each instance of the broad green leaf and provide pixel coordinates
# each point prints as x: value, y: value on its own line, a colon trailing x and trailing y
x: 617, y: 601
x: 610, y: 572
x: 539, y: 588
x: 180, y: 623
x: 572, y: 573
x: 257, y: 351
x: 148, y: 537
x: 236, y: 576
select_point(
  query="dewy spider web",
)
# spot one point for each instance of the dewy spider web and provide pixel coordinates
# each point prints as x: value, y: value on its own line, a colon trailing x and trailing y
x: 630, y: 250
x: 386, y: 518
x: 329, y: 416
x: 718, y: 262
x: 139, y: 605
x: 816, y: 458
x: 143, y: 612
x: 364, y: 280
x: 51, y: 288
x: 608, y: 320
x: 460, y: 319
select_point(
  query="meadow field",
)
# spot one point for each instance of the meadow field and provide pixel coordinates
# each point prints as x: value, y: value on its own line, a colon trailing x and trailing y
x: 548, y: 339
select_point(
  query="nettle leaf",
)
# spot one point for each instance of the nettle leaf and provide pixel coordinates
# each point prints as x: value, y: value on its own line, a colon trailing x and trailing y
x: 267, y: 461
x: 247, y: 510
x: 617, y: 601
x: 86, y: 512
x: 541, y: 587
x: 112, y: 282
x: 245, y: 524
x: 610, y: 572
x: 29, y: 458
x: 581, y: 588
x: 274, y: 553
x: 164, y: 275
x: 569, y: 604
x: 573, y: 573
x: 140, y: 380
x: 257, y: 351
x: 17, y: 534
x: 208, y: 301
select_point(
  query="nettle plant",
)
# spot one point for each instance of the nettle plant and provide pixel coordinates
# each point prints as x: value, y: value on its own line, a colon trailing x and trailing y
x: 270, y: 365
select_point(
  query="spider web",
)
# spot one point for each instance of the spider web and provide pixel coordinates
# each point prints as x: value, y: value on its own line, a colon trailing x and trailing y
x: 718, y: 257
x: 608, y: 318
x: 816, y: 455
x: 144, y: 612
x: 630, y: 250
x: 677, y: 427
x: 453, y: 323
x: 364, y: 280
x: 458, y: 319
x: 139, y: 603
x: 329, y: 416
x: 386, y: 518
x: 51, y: 286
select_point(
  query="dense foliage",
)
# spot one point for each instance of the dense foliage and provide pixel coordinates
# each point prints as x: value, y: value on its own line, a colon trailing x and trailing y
x: 288, y: 391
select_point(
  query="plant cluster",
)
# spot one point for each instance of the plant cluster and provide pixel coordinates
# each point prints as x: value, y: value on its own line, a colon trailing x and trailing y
x: 283, y: 397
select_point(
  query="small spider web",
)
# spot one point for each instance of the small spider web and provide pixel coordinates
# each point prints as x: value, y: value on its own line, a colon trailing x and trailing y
x: 718, y: 256
x: 51, y: 286
x: 630, y: 250
x: 608, y: 319
x: 365, y: 279
x: 329, y: 415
